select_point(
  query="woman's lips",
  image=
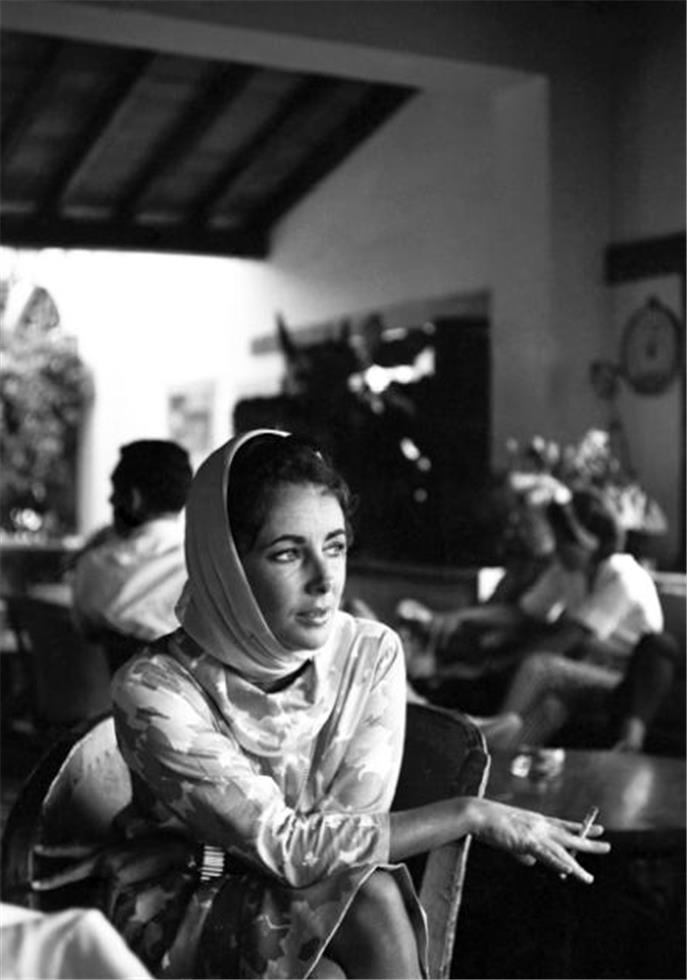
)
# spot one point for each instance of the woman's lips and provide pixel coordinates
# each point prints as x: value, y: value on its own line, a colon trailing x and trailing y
x: 314, y: 617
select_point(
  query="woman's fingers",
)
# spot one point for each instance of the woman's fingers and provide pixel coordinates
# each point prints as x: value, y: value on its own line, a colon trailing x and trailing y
x: 575, y: 826
x: 527, y: 859
x: 587, y: 844
x: 555, y: 856
x: 563, y: 863
x: 532, y: 837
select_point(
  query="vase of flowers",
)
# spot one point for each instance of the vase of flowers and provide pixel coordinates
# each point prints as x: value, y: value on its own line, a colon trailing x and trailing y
x: 546, y: 471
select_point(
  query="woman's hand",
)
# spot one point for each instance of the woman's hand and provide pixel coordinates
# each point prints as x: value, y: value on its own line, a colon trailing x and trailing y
x: 532, y: 837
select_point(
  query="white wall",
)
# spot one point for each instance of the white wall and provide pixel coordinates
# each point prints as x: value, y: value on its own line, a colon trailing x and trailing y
x: 648, y: 200
x: 410, y: 214
x: 145, y: 324
x: 523, y: 343
x: 648, y: 185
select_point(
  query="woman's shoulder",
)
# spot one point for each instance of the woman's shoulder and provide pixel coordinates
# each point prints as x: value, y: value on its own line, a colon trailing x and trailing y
x: 369, y: 637
x: 362, y: 627
x: 153, y: 675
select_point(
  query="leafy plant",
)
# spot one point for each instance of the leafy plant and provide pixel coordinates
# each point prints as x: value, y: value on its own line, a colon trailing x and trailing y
x: 545, y: 468
x: 44, y: 390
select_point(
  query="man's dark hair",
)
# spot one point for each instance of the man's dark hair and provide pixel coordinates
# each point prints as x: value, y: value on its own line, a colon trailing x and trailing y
x: 598, y: 517
x: 588, y: 512
x: 263, y: 464
x: 159, y: 469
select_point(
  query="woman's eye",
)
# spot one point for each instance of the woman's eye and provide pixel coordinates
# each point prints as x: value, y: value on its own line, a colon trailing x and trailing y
x: 286, y: 554
x: 337, y: 548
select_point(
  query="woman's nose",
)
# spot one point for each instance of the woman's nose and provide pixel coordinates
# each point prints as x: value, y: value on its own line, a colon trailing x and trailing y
x: 320, y: 576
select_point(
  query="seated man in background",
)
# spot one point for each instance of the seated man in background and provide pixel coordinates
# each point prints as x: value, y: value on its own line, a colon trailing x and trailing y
x: 603, y: 649
x: 129, y: 576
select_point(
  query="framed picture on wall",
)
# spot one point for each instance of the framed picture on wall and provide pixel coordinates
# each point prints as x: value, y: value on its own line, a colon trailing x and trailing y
x: 190, y: 413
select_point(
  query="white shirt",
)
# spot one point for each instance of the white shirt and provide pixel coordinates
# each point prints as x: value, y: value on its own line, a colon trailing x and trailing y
x: 131, y: 584
x: 74, y: 943
x: 619, y: 607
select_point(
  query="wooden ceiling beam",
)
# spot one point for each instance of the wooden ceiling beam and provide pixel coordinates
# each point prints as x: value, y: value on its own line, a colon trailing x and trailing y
x: 101, y: 120
x: 29, y: 104
x: 311, y: 90
x: 31, y: 232
x: 661, y: 256
x: 221, y: 86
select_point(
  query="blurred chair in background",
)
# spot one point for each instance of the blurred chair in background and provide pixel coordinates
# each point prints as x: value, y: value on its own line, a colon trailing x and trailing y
x: 67, y: 677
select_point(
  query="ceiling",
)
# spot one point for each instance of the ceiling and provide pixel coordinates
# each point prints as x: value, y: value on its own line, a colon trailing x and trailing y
x: 107, y: 146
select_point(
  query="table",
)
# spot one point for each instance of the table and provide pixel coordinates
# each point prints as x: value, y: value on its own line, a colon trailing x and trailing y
x: 525, y: 922
x: 641, y: 798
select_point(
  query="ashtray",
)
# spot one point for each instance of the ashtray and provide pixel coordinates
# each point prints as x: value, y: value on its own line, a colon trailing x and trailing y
x: 538, y: 763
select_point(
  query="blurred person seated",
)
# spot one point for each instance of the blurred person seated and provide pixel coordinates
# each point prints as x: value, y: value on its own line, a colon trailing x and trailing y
x: 128, y: 578
x: 603, y: 647
x: 494, y: 729
x: 476, y: 639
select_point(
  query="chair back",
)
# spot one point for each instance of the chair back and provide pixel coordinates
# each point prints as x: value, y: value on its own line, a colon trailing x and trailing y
x: 71, y: 798
x: 445, y: 755
x: 70, y: 676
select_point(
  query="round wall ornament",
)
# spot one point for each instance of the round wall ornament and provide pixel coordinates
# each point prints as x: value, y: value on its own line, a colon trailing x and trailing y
x: 650, y: 348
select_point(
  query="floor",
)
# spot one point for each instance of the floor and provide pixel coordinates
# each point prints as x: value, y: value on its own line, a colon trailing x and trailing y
x: 522, y: 922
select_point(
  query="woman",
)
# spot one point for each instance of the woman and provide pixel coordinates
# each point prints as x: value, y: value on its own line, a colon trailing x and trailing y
x: 270, y: 727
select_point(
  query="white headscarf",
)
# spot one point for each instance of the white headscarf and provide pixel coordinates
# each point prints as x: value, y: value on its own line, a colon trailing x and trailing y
x: 217, y: 607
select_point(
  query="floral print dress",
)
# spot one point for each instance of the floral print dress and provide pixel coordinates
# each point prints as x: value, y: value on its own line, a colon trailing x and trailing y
x: 297, y: 798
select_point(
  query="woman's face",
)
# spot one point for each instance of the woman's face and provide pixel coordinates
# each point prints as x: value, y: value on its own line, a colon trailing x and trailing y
x: 297, y: 566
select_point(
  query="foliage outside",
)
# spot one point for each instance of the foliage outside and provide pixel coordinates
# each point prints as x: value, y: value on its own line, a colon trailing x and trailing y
x: 44, y: 390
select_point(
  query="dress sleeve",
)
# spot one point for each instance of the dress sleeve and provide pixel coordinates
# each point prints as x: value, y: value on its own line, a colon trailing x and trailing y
x: 170, y: 737
x: 366, y: 779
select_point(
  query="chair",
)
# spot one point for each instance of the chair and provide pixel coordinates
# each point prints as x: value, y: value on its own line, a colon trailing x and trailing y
x: 77, y: 789
x: 445, y: 755
x: 70, y: 798
x: 69, y: 676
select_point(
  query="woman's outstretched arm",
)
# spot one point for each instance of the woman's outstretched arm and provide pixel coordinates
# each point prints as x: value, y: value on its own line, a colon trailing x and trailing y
x: 528, y: 836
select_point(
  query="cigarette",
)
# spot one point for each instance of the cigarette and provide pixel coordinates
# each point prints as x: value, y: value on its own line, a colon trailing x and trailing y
x: 589, y: 818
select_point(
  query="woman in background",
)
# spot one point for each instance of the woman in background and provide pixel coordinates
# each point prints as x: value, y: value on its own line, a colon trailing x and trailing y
x: 268, y: 732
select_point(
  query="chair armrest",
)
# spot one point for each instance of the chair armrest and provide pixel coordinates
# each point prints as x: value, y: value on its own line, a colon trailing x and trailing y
x: 440, y: 896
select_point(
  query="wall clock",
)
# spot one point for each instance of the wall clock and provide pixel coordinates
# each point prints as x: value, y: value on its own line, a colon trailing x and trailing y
x: 650, y: 348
